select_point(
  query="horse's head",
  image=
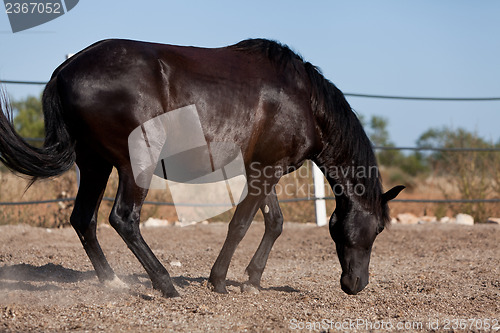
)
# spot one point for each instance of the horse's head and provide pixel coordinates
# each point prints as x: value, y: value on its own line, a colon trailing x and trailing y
x: 354, y: 230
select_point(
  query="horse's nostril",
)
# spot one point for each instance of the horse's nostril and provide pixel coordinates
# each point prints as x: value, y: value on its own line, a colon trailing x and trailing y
x: 350, y: 284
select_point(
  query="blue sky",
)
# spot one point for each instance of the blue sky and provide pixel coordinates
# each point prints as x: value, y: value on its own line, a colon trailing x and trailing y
x: 447, y: 48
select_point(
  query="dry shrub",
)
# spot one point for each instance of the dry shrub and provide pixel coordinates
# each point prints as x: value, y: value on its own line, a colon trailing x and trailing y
x: 14, y: 189
x: 474, y: 174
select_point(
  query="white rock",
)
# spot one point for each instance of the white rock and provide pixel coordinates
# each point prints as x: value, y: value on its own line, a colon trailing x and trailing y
x: 494, y: 220
x: 407, y: 218
x: 185, y: 223
x: 152, y: 222
x: 426, y: 219
x: 464, y: 219
x: 447, y: 219
x: 175, y: 264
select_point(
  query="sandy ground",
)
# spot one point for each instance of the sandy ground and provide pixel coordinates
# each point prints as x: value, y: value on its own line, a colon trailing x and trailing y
x: 423, y: 277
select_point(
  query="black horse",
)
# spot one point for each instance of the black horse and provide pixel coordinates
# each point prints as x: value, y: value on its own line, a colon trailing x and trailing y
x: 258, y: 94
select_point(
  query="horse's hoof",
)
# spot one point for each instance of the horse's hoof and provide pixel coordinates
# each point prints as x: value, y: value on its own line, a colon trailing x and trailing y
x: 116, y: 283
x: 171, y: 294
x: 219, y: 288
x: 248, y: 288
x: 167, y: 291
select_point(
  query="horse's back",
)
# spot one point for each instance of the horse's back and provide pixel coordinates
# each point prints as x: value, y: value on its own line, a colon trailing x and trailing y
x: 114, y: 86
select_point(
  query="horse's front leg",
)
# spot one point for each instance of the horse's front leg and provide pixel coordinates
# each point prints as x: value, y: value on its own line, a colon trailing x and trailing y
x: 273, y: 219
x: 238, y: 227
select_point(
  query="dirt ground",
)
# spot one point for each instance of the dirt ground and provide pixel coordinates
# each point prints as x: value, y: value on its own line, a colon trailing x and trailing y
x: 423, y: 277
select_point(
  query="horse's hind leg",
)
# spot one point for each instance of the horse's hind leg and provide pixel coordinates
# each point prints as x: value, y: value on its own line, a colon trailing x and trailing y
x: 94, y: 176
x: 273, y: 219
x: 124, y: 218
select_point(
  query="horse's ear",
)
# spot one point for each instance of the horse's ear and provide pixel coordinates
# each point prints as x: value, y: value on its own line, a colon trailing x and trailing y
x: 392, y: 193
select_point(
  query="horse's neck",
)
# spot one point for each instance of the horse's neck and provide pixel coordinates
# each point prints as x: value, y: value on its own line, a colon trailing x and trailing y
x: 351, y: 182
x: 347, y: 158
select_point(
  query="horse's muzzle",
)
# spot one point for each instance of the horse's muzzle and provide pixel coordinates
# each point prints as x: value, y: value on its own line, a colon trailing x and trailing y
x: 352, y: 284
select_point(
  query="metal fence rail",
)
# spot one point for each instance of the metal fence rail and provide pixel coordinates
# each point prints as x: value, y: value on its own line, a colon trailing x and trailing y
x: 450, y: 149
x: 291, y: 200
x: 411, y: 98
x: 35, y: 202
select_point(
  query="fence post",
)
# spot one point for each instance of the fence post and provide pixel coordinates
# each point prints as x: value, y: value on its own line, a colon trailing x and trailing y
x: 319, y: 192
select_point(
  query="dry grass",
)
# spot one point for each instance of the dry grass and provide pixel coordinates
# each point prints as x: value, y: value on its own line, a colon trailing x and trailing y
x: 14, y: 189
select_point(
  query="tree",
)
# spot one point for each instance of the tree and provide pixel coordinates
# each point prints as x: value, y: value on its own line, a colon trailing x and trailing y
x: 28, y: 120
x: 474, y: 173
x: 379, y: 135
x: 378, y: 131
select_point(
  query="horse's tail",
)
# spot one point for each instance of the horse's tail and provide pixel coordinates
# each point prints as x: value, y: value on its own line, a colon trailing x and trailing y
x: 57, y: 154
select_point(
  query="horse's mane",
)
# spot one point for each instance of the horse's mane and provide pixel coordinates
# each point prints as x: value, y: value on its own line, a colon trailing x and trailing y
x: 339, y: 124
